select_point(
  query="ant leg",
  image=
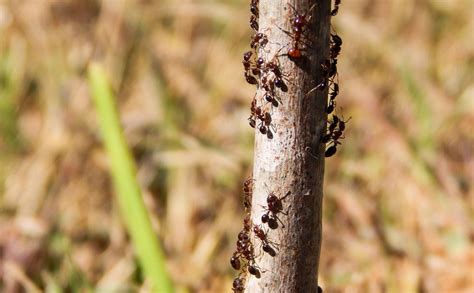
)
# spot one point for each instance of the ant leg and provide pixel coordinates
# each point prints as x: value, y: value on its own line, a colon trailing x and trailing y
x: 290, y: 34
x: 321, y: 86
x: 273, y: 127
x: 286, y: 195
x: 279, y: 220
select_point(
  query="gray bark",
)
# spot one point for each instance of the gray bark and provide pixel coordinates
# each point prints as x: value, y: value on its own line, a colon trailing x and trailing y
x: 293, y: 161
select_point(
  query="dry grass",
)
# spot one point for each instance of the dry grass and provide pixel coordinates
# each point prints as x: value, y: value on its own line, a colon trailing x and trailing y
x: 399, y: 197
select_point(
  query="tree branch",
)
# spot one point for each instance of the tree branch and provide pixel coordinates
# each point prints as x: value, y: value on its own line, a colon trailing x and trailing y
x: 292, y: 161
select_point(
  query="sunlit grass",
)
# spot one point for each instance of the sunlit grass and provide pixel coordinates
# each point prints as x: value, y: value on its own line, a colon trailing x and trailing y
x: 123, y: 172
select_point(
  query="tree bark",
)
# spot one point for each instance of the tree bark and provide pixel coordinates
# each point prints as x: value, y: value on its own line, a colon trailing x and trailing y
x: 293, y: 160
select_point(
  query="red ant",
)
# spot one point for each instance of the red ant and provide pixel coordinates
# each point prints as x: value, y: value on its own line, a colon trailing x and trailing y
x: 235, y: 261
x: 248, y: 186
x: 272, y: 77
x: 266, y: 243
x: 273, y: 208
x: 254, y: 8
x: 250, y: 78
x: 247, y: 66
x: 254, y: 270
x: 238, y: 284
x: 246, y: 62
x: 253, y: 107
x: 253, y: 23
x: 279, y: 79
x: 244, y: 247
x: 299, y: 23
x: 266, y: 125
x: 258, y: 39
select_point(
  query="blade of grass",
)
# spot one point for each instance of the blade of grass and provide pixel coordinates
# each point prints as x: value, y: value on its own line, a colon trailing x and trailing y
x: 123, y: 171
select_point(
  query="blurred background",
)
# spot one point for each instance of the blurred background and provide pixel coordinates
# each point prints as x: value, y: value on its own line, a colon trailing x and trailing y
x: 398, y: 206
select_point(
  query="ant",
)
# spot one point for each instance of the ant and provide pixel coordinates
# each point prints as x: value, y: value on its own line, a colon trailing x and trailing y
x: 336, y: 7
x: 330, y: 151
x: 253, y: 107
x: 335, y: 90
x: 331, y: 106
x: 268, y: 84
x: 257, y: 70
x: 238, y: 284
x: 246, y: 61
x: 252, y: 122
x: 332, y: 98
x: 235, y: 261
x: 335, y: 48
x: 254, y: 8
x: 258, y: 39
x: 243, y: 240
x: 254, y: 23
x: 266, y: 125
x: 271, y: 78
x: 266, y: 243
x: 329, y: 67
x: 250, y: 78
x: 254, y: 270
x: 335, y: 130
x: 268, y: 97
x: 244, y: 249
x: 299, y: 23
x: 279, y: 79
x: 337, y: 41
x: 273, y: 208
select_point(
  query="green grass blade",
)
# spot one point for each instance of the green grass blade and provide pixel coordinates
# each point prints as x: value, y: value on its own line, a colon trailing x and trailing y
x: 123, y: 171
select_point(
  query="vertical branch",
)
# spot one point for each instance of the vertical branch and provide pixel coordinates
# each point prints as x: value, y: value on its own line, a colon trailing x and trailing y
x: 290, y: 163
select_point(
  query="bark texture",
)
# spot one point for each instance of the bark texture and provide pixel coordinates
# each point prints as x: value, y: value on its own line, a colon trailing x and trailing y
x: 293, y: 161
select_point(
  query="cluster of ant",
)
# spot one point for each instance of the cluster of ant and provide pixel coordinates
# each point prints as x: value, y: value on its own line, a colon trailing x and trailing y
x: 243, y: 258
x: 265, y: 74
x: 335, y: 126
